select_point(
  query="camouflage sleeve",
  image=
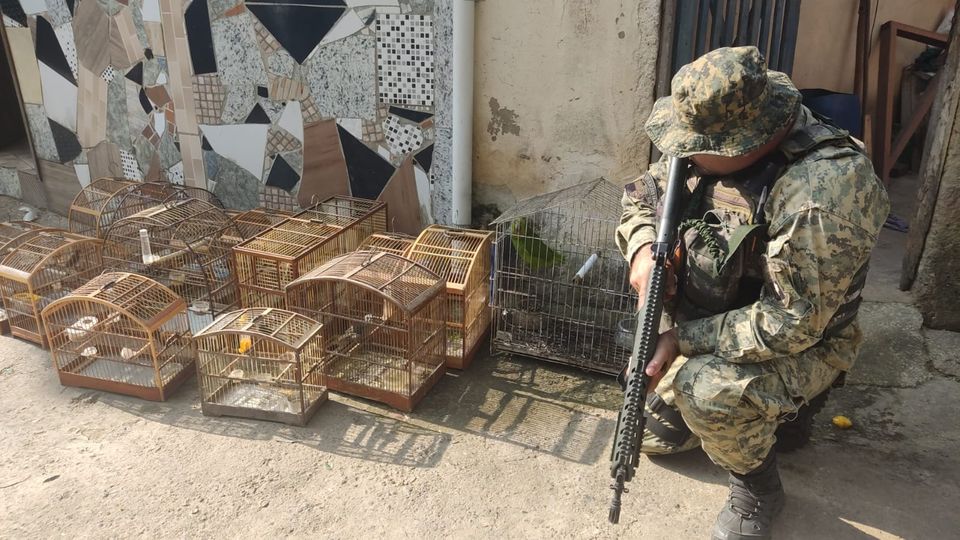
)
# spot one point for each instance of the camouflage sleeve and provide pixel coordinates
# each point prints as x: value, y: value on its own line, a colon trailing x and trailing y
x: 809, y: 263
x: 638, y: 223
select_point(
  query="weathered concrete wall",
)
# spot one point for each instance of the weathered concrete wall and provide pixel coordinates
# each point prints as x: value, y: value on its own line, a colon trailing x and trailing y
x: 562, y: 90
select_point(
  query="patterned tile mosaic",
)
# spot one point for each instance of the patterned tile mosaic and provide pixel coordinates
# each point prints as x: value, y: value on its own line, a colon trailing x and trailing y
x: 209, y: 96
x: 278, y: 140
x: 235, y: 186
x: 131, y: 169
x: 238, y: 57
x: 299, y: 27
x: 405, y: 59
x: 402, y: 138
x: 342, y: 79
x: 118, y: 117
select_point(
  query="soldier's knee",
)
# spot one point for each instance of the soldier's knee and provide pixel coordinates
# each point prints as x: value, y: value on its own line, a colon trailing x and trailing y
x: 708, y: 389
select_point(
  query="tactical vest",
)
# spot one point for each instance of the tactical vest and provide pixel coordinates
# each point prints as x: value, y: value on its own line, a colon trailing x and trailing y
x: 724, y: 232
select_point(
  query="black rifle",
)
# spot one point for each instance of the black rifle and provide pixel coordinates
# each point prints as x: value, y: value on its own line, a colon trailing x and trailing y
x: 630, y: 423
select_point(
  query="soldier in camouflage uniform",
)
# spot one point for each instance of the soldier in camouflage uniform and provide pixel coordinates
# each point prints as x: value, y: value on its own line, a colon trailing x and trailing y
x: 782, y: 210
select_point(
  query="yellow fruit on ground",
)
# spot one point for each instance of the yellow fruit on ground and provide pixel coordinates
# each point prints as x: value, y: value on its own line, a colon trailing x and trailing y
x: 842, y: 422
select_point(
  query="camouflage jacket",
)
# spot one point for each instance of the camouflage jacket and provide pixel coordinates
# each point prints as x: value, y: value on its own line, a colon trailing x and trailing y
x: 822, y: 217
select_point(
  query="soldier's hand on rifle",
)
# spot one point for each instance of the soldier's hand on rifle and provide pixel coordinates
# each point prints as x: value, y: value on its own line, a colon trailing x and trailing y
x: 667, y: 351
x: 640, y: 274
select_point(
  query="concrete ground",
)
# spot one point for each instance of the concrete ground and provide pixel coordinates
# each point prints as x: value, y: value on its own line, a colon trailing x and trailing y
x: 511, y: 448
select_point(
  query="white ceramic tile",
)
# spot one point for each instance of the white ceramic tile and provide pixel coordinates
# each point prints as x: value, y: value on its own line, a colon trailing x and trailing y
x: 162, y: 78
x: 151, y: 10
x: 131, y: 169
x: 159, y: 123
x: 33, y: 7
x: 423, y: 193
x: 405, y: 59
x: 354, y: 126
x: 292, y: 120
x: 7, y: 21
x: 401, y: 137
x: 83, y: 173
x: 64, y: 34
x: 108, y: 73
x: 242, y: 144
x: 175, y: 173
x: 59, y: 98
x: 348, y: 25
x: 382, y: 150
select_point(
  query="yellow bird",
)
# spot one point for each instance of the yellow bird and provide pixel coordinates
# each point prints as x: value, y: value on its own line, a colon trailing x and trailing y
x: 245, y: 343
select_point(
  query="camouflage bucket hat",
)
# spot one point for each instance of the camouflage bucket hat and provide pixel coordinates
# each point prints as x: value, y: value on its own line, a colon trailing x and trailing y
x: 724, y: 103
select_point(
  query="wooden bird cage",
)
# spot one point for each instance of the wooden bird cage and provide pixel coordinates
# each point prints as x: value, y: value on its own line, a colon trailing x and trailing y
x: 250, y: 223
x: 122, y: 333
x: 40, y: 267
x: 269, y: 261
x: 186, y: 247
x: 96, y: 207
x: 261, y: 363
x: 462, y: 258
x: 10, y: 231
x: 387, y: 242
x: 383, y: 325
x: 145, y: 195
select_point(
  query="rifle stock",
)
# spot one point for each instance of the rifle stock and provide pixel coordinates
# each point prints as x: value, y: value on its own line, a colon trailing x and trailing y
x: 630, y: 422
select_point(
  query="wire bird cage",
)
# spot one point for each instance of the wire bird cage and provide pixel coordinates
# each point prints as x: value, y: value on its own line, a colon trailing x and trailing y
x: 269, y: 261
x: 383, y: 322
x: 95, y: 208
x: 561, y: 288
x: 387, y: 242
x: 261, y: 363
x: 122, y: 333
x: 462, y: 258
x: 185, y: 246
x: 39, y: 267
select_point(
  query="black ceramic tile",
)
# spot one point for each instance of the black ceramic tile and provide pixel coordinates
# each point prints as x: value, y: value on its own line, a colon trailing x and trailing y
x: 68, y: 146
x: 49, y: 51
x: 413, y: 116
x: 145, y: 103
x: 368, y: 171
x: 70, y: 6
x: 205, y: 144
x: 12, y: 9
x: 197, y: 20
x: 148, y: 53
x: 424, y: 158
x: 136, y: 73
x: 299, y: 28
x: 282, y: 175
x: 257, y: 116
x: 262, y: 91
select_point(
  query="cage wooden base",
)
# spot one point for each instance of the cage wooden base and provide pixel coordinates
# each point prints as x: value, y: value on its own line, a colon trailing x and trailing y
x: 453, y: 358
x: 72, y: 375
x: 403, y: 402
x: 212, y: 408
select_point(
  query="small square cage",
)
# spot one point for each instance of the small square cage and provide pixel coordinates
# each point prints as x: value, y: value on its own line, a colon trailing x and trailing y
x: 185, y: 245
x: 383, y: 325
x: 96, y: 207
x: 561, y: 288
x: 261, y: 363
x: 121, y: 333
x: 269, y: 261
x: 42, y: 266
x: 462, y: 258
x: 388, y: 242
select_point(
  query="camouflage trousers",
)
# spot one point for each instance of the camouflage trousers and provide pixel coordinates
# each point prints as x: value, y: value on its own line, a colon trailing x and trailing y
x: 734, y: 409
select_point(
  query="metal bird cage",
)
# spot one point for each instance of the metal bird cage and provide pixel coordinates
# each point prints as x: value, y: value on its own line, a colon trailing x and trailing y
x: 261, y: 363
x: 383, y: 325
x: 122, y: 333
x: 387, y: 242
x: 39, y: 267
x: 185, y: 246
x: 462, y: 258
x: 95, y: 208
x: 269, y: 261
x: 561, y: 287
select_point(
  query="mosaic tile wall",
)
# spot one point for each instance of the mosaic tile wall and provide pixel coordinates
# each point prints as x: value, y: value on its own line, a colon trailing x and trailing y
x: 315, y: 97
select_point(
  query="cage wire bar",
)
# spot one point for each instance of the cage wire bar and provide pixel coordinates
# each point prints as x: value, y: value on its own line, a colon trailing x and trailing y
x: 95, y: 207
x: 122, y: 333
x: 383, y: 325
x: 388, y: 242
x: 262, y: 363
x: 561, y: 287
x: 266, y: 263
x: 461, y: 257
x: 185, y: 246
x: 42, y: 266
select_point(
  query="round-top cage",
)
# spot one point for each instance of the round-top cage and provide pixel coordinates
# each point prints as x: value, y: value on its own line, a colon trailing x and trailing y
x: 383, y: 325
x: 40, y: 267
x: 123, y: 333
x: 10, y: 231
x: 261, y: 363
x: 388, y: 242
x: 462, y: 258
x: 94, y: 209
x: 184, y: 245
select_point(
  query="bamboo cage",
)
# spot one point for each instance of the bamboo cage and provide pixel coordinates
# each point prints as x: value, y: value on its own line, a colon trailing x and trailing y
x: 185, y: 246
x: 383, y: 325
x: 266, y: 263
x: 96, y: 207
x: 250, y: 223
x: 387, y: 242
x: 261, y: 363
x: 10, y: 231
x: 42, y: 266
x: 145, y: 195
x: 462, y: 258
x: 122, y: 333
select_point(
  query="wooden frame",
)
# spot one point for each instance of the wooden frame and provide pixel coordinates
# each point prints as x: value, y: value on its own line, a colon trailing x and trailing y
x: 388, y: 242
x: 97, y: 205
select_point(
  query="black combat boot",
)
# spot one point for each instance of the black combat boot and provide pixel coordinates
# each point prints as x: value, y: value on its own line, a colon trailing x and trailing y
x: 755, y: 499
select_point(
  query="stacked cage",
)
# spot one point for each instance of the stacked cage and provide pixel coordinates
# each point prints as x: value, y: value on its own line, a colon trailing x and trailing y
x: 262, y: 363
x: 462, y: 258
x: 97, y: 206
x: 266, y: 263
x: 185, y: 246
x: 122, y: 333
x: 387, y: 242
x: 383, y: 325
x: 561, y: 288
x: 39, y: 267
